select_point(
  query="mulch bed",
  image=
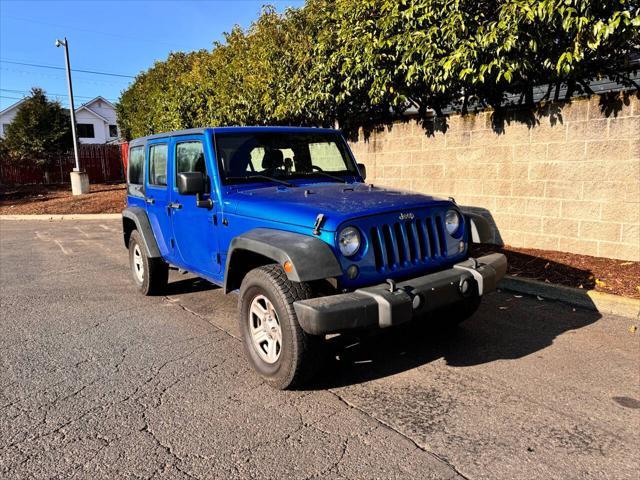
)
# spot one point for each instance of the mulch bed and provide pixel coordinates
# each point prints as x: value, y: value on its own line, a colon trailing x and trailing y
x: 618, y: 277
x: 57, y: 199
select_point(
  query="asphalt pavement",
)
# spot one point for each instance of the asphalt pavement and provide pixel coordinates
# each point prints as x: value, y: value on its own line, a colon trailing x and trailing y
x: 97, y: 381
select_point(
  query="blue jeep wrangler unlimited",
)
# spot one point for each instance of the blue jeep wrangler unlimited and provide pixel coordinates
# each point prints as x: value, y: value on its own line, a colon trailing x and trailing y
x: 284, y: 216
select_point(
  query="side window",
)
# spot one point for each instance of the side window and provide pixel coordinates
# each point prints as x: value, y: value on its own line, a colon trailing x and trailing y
x: 158, y: 164
x: 136, y: 165
x: 190, y: 158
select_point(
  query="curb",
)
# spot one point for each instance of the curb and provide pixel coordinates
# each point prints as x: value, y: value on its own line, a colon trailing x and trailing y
x: 77, y: 216
x: 592, y: 300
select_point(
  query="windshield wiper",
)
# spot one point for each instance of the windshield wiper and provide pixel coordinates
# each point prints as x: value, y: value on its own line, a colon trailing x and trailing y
x: 328, y: 175
x: 264, y: 177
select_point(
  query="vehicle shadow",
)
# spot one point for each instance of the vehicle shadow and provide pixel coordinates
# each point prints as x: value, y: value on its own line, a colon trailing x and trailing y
x: 188, y: 285
x: 506, y: 327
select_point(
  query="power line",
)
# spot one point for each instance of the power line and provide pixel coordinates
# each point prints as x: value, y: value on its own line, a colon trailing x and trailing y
x: 110, y: 34
x: 102, y: 81
x: 11, y: 98
x: 22, y: 98
x: 37, y: 65
x: 51, y: 94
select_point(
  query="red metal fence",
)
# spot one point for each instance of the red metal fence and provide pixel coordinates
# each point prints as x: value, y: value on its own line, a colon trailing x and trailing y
x: 124, y: 154
x: 103, y: 163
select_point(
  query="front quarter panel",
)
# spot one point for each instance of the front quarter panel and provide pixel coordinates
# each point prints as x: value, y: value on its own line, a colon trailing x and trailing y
x: 311, y: 258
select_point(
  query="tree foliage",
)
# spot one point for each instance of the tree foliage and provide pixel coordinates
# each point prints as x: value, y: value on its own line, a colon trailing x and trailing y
x: 364, y: 63
x: 436, y: 53
x: 40, y: 131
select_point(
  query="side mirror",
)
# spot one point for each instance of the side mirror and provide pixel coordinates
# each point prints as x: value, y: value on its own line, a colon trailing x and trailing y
x: 194, y: 183
x: 363, y: 170
x: 191, y: 183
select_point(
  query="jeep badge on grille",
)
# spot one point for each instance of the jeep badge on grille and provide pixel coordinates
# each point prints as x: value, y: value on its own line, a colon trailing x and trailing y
x: 407, y: 216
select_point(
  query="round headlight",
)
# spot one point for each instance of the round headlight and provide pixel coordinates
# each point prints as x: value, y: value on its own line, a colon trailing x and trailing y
x: 452, y: 221
x: 349, y: 241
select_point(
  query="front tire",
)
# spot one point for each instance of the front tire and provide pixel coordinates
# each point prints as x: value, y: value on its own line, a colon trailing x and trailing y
x: 150, y: 275
x: 282, y: 353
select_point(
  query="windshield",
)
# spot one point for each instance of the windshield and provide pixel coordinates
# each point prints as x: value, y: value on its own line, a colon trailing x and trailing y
x: 283, y: 156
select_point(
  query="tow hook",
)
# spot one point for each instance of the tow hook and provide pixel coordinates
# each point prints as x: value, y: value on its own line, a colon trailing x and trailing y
x: 416, y: 298
x: 465, y: 284
x: 392, y: 285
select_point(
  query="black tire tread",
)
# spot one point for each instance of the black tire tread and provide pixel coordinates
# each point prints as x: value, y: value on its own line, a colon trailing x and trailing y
x: 306, y: 347
x: 156, y: 269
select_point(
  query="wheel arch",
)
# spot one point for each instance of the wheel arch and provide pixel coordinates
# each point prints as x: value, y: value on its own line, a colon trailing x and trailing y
x: 310, y: 257
x: 479, y: 228
x: 135, y: 218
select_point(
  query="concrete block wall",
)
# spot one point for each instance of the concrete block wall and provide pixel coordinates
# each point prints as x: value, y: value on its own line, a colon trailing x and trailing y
x: 571, y: 185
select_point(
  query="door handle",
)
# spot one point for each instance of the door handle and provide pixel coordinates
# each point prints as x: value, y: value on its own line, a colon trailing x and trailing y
x: 150, y: 201
x: 175, y: 206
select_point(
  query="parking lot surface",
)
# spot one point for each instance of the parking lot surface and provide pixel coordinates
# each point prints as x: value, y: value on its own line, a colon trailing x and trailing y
x: 97, y: 381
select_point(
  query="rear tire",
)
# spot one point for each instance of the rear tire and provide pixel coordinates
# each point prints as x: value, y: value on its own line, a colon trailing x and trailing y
x: 282, y: 353
x: 150, y: 275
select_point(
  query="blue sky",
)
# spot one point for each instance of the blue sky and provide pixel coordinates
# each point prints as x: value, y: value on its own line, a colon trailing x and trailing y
x: 123, y: 37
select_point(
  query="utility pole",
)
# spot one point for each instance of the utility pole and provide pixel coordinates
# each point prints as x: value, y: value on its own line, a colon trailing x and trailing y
x: 79, y: 179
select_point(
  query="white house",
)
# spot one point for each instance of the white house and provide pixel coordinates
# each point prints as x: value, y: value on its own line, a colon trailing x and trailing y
x: 95, y: 120
x: 7, y: 115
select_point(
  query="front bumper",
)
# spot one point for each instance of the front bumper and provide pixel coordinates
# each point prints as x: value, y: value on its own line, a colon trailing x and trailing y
x: 392, y: 304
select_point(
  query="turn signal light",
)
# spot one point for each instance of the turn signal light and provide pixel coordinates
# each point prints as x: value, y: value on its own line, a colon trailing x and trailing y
x: 288, y: 266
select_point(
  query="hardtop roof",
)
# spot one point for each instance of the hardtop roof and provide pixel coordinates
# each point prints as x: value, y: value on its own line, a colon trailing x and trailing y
x: 216, y: 130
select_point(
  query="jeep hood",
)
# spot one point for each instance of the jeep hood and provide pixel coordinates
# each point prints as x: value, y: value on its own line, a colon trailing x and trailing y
x: 338, y: 202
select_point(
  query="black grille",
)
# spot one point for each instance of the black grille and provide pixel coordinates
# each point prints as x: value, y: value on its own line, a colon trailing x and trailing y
x: 405, y: 243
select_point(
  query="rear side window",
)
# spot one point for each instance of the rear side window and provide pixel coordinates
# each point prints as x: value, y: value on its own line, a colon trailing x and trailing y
x: 158, y: 164
x: 136, y: 165
x: 190, y: 158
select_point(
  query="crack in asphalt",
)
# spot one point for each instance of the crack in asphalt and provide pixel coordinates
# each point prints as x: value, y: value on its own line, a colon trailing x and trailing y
x: 198, y: 315
x: 133, y: 396
x: 381, y: 422
x: 42, y: 338
x: 177, y: 461
x: 392, y: 428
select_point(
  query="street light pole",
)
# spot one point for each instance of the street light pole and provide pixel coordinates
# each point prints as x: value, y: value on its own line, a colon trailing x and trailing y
x: 79, y: 179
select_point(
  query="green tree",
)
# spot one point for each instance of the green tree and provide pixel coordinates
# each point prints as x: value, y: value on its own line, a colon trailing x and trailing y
x: 160, y: 99
x: 39, y: 132
x: 433, y: 54
x: 362, y: 64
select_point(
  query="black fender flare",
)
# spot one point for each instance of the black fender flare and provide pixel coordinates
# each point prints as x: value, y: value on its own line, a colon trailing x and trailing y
x: 479, y: 228
x: 139, y: 216
x: 311, y: 258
